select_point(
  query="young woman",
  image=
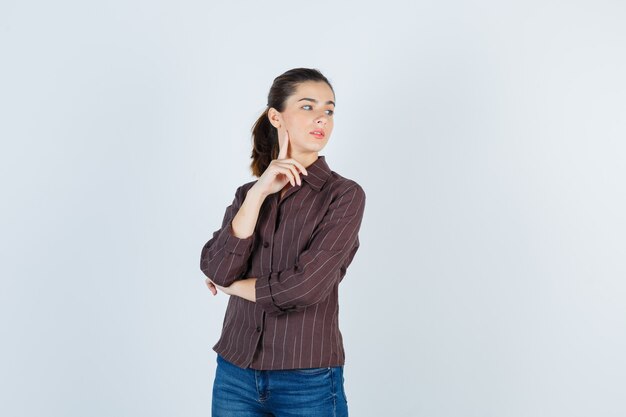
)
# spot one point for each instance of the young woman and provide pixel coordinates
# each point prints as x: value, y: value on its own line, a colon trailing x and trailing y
x: 284, y: 246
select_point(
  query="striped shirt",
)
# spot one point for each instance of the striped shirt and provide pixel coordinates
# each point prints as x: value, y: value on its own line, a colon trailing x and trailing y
x: 299, y: 252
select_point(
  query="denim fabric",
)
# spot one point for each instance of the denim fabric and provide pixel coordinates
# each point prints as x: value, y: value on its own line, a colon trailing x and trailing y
x: 314, y: 392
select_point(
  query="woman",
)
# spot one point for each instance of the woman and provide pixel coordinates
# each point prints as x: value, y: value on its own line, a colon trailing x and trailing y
x: 285, y: 244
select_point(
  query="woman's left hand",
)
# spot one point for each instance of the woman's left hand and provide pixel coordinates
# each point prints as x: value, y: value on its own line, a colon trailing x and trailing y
x: 213, y: 287
x: 244, y: 288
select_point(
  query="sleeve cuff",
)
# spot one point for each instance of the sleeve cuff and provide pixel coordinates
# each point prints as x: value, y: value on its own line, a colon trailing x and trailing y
x: 264, y: 294
x: 236, y: 245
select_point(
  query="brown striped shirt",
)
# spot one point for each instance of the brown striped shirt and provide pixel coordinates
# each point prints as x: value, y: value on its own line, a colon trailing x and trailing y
x: 299, y: 252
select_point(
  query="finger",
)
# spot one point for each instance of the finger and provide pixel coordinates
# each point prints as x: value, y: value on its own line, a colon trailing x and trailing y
x: 222, y: 289
x: 283, y: 144
x: 286, y: 163
x: 278, y: 169
x: 293, y: 169
x: 211, y: 286
x: 298, y: 164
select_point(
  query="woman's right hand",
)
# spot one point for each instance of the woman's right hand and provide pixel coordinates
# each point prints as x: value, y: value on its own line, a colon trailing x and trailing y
x: 281, y: 170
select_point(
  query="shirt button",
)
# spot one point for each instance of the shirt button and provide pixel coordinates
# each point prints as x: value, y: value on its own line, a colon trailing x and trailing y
x: 258, y: 329
x: 266, y: 244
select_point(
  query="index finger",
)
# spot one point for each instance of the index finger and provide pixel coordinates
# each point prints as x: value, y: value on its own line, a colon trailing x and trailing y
x: 211, y: 286
x: 283, y: 144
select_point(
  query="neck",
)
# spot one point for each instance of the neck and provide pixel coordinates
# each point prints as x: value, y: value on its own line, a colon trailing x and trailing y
x: 306, y: 158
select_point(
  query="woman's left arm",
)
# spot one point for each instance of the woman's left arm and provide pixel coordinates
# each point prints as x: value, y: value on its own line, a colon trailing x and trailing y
x: 309, y: 282
x: 243, y: 288
x: 322, y: 264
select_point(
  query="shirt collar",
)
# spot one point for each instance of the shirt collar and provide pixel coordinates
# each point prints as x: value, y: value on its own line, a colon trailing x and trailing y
x: 318, y: 171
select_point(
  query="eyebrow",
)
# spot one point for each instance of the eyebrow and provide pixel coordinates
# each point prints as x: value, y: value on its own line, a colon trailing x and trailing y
x: 315, y: 101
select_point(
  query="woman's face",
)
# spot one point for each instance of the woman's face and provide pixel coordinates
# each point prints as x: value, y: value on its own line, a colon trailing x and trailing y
x: 309, y: 109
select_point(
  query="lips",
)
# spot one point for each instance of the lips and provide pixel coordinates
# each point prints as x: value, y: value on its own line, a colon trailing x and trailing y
x: 318, y: 133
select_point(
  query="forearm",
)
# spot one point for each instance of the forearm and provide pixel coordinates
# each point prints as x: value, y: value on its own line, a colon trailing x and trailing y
x: 244, y: 288
x: 245, y: 220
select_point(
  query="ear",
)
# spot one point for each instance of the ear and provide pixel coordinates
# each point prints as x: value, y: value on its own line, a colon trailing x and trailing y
x: 275, y: 117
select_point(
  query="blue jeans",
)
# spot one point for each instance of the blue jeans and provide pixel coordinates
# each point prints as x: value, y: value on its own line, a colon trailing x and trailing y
x: 314, y: 392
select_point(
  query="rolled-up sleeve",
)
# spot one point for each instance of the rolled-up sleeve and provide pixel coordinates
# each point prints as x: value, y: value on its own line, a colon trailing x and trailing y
x: 224, y: 257
x: 323, y: 264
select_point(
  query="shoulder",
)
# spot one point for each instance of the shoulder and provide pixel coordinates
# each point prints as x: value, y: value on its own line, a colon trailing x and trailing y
x: 245, y: 187
x: 242, y: 190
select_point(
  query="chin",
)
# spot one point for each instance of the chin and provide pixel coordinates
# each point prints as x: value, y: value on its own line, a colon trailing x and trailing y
x: 317, y: 148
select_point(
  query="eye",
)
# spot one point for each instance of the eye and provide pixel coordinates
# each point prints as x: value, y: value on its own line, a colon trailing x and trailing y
x: 309, y: 107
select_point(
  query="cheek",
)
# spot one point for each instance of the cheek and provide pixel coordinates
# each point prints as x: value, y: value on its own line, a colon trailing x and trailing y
x: 292, y: 122
x: 299, y: 120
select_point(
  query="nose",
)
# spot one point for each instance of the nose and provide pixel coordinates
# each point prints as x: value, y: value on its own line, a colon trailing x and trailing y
x: 322, y: 120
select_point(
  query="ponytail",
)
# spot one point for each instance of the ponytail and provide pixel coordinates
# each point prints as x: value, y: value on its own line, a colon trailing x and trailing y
x: 264, y: 144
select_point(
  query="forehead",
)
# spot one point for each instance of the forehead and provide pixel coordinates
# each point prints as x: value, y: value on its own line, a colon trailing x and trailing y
x: 317, y: 90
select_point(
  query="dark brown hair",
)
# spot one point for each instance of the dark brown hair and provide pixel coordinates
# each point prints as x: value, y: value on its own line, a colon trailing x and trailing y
x: 264, y: 135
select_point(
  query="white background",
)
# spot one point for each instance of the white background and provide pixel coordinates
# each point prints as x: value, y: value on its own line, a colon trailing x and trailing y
x: 488, y: 136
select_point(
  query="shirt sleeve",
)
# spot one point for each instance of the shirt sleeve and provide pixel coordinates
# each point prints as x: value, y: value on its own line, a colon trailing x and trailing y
x: 322, y: 264
x: 224, y: 258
